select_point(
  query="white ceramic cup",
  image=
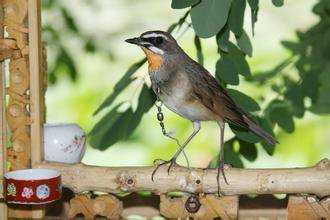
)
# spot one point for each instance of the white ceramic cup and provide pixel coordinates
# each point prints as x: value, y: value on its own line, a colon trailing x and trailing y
x: 64, y: 143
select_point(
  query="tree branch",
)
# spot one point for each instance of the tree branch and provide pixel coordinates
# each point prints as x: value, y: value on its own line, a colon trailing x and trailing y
x: 80, y: 177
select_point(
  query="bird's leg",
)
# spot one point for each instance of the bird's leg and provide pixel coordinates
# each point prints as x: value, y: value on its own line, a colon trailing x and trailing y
x: 221, y: 156
x: 172, y: 161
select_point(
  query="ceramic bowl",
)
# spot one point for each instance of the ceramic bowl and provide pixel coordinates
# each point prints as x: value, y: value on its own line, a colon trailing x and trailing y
x: 64, y: 143
x: 32, y: 186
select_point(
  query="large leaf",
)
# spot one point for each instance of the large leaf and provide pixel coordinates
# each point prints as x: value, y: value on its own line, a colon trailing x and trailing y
x: 236, y: 17
x: 198, y: 46
x: 69, y: 21
x: 322, y: 105
x: 244, y: 43
x: 254, y: 5
x: 179, y: 4
x: 116, y: 126
x: 248, y: 150
x: 278, y: 3
x: 146, y: 100
x: 245, y: 135
x: 223, y: 39
x: 295, y: 95
x: 262, y: 77
x: 280, y: 112
x: 108, y: 132
x: 209, y: 17
x: 120, y: 85
x: 226, y: 71
x: 245, y: 102
x: 238, y: 57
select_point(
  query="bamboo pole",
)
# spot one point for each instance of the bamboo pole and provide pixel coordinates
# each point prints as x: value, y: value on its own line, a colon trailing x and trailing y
x: 36, y: 90
x: 80, y: 178
x: 3, y: 138
x: 36, y: 81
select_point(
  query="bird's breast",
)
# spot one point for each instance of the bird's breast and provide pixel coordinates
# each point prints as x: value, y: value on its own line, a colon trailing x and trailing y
x: 175, y: 93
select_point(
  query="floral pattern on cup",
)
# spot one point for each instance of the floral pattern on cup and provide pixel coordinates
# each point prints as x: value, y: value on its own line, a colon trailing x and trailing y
x: 27, y: 192
x: 43, y: 191
x: 77, y: 143
x: 11, y: 190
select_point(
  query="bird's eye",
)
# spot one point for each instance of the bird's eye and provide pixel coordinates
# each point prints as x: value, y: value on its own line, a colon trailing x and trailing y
x: 159, y: 40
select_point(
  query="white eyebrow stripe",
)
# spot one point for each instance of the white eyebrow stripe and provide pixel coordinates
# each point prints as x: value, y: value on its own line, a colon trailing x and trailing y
x: 154, y: 35
x: 156, y: 50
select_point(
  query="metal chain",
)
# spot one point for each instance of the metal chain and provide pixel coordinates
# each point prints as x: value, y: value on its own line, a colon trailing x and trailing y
x: 160, y: 118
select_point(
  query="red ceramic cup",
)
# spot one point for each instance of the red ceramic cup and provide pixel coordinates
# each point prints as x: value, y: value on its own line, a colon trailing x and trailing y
x: 32, y: 186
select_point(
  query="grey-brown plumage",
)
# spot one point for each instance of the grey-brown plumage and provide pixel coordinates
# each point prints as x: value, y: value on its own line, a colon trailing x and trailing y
x: 189, y: 90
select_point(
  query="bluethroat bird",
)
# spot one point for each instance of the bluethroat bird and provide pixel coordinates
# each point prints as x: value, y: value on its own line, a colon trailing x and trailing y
x: 188, y: 89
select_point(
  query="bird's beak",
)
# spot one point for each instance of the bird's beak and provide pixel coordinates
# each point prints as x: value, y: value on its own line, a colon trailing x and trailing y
x: 135, y: 40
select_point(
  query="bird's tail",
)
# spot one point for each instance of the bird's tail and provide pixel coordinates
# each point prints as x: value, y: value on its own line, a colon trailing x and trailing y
x: 256, y: 129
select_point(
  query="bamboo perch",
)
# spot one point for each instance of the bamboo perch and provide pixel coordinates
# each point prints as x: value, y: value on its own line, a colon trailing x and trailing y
x: 80, y: 178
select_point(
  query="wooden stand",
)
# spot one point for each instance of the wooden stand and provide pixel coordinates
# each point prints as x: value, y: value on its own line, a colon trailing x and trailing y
x: 24, y: 111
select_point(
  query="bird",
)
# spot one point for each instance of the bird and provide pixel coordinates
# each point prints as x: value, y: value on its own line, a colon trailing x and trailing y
x: 188, y: 89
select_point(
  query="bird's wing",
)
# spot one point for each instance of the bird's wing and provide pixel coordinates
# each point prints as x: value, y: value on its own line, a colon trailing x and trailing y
x: 209, y: 92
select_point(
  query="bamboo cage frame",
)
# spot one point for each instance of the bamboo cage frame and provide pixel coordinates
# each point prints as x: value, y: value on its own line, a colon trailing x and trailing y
x: 21, y: 20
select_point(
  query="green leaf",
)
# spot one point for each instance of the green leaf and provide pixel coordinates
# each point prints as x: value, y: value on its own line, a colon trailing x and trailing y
x: 231, y: 157
x: 223, y: 39
x: 69, y: 21
x: 226, y: 71
x: 322, y: 105
x: 64, y: 64
x: 179, y: 4
x: 295, y: 95
x: 238, y: 58
x: 236, y: 17
x: 90, y: 46
x: 245, y: 44
x: 254, y: 5
x: 209, y: 17
x: 106, y: 121
x: 120, y: 85
x: 278, y: 3
x: 262, y: 77
x: 247, y: 136
x: 116, y: 126
x: 245, y: 102
x: 280, y: 112
x: 248, y: 150
x: 198, y: 46
x: 146, y: 100
x: 110, y: 132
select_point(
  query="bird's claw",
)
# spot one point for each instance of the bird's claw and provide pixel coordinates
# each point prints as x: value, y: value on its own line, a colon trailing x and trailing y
x: 159, y: 163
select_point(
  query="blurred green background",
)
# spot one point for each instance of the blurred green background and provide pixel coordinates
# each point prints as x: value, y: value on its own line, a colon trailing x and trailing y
x: 93, y: 36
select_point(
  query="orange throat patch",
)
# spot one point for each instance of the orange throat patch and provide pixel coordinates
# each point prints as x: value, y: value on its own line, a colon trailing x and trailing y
x: 154, y: 60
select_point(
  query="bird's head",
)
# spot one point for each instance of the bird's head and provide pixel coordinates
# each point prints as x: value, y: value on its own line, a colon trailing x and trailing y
x: 157, y: 45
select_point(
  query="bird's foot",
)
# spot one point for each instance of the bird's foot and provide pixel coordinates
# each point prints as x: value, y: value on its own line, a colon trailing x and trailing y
x: 221, y: 169
x: 160, y: 162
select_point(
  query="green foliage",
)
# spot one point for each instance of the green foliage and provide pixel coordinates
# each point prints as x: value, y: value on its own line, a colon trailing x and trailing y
x: 244, y: 43
x: 179, y: 4
x: 209, y: 17
x: 121, y: 85
x: 245, y: 102
x: 116, y: 126
x: 236, y: 17
x: 310, y: 92
x: 278, y: 3
x: 56, y: 33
